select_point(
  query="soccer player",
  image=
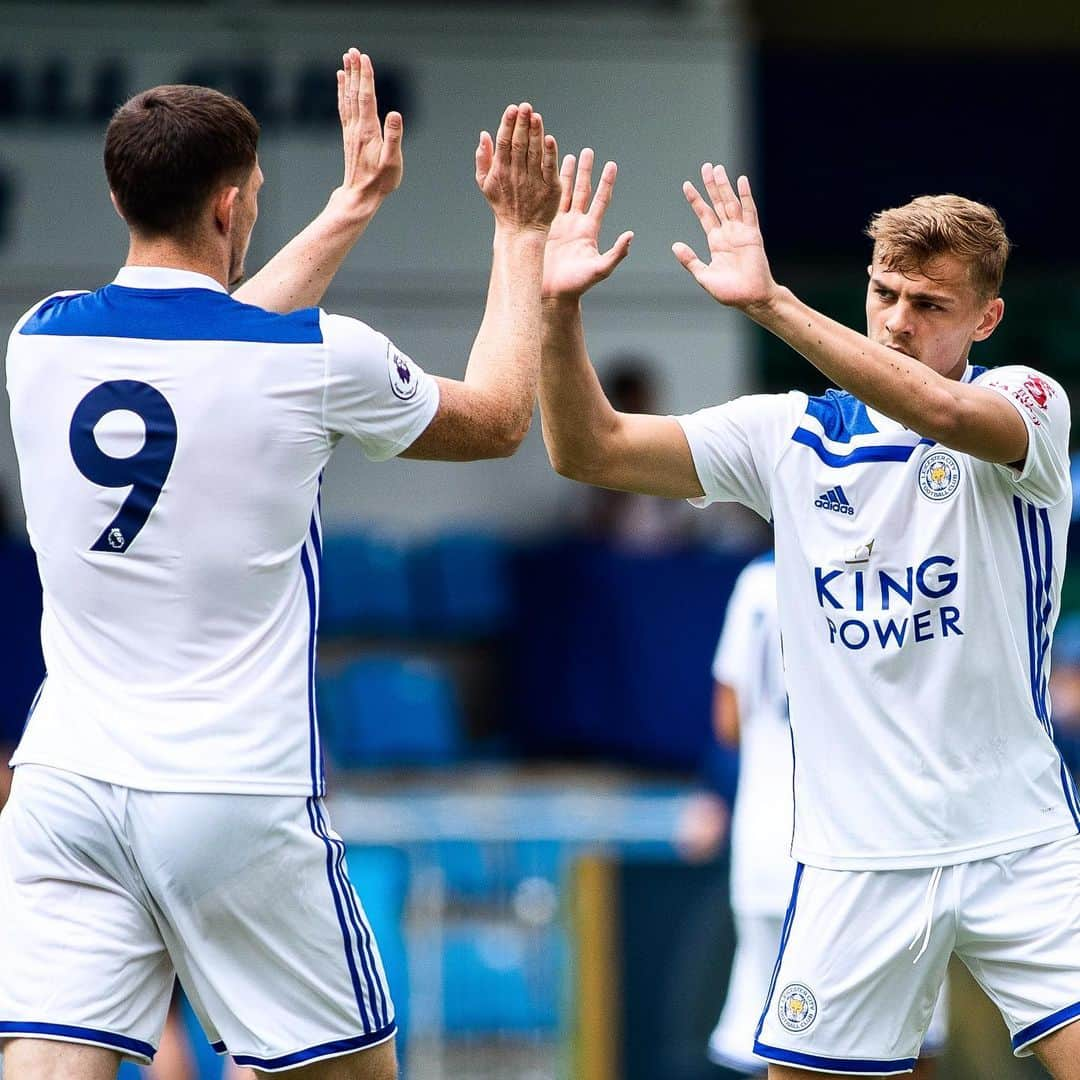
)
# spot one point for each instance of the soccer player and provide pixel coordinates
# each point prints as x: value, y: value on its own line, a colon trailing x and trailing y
x: 166, y: 814
x: 920, y: 516
x: 750, y: 711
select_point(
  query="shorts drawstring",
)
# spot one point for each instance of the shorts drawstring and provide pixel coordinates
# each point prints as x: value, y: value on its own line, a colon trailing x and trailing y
x: 927, y: 915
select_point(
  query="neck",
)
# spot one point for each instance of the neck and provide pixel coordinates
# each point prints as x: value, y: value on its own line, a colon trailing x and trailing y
x: 166, y: 252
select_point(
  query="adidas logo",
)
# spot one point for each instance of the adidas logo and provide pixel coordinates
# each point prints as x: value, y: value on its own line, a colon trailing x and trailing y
x: 835, y: 500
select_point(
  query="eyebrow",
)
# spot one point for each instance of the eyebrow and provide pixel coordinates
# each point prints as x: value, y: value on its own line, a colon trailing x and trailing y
x: 933, y: 298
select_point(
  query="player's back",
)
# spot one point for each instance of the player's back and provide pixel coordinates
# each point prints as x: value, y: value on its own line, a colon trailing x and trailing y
x: 171, y: 442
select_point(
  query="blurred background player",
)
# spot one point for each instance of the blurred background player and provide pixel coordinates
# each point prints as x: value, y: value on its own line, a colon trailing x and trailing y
x: 750, y: 714
x: 180, y: 643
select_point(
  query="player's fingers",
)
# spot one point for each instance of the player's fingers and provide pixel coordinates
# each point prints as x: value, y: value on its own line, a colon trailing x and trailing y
x: 566, y: 180
x: 503, y: 135
x: 749, y: 207
x: 616, y: 253
x: 536, y: 142
x: 519, y: 140
x: 341, y: 96
x: 367, y: 103
x: 549, y: 160
x: 685, y: 254
x: 352, y: 79
x: 702, y: 210
x: 730, y: 201
x: 583, y: 185
x: 393, y: 130
x: 485, y: 156
x: 712, y: 189
x: 604, y: 188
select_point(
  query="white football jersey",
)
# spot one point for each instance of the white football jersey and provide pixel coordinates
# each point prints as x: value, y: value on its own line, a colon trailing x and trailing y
x: 749, y: 660
x: 918, y: 590
x: 171, y: 443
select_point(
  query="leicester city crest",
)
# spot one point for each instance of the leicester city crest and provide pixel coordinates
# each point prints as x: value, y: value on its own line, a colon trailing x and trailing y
x: 403, y: 378
x: 939, y: 475
x: 797, y: 1007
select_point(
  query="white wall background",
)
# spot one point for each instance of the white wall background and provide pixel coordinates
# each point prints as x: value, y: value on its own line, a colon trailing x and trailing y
x: 657, y: 93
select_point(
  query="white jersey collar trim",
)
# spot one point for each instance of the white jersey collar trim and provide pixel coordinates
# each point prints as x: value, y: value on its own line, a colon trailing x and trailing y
x: 164, y: 277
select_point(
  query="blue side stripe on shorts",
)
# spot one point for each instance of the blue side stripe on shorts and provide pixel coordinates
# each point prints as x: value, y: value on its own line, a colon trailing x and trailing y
x: 785, y: 933
x: 865, y: 1066
x: 365, y: 938
x: 360, y: 927
x: 339, y: 1046
x: 349, y: 958
x: 1046, y: 1025
x: 79, y: 1034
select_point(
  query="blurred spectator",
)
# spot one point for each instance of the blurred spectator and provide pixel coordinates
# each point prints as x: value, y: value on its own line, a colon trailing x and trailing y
x: 628, y: 521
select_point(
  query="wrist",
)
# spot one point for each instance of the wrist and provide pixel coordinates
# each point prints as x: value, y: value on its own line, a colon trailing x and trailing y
x: 354, y: 207
x: 521, y: 234
x: 558, y: 304
x: 768, y: 309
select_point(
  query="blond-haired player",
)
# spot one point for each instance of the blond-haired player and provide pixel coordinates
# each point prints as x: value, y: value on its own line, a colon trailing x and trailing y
x: 920, y: 516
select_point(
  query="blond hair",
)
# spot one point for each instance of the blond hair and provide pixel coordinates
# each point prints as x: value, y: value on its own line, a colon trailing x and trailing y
x: 909, y: 238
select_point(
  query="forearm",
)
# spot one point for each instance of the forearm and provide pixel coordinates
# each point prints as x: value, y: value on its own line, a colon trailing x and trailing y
x: 894, y: 384
x: 504, y: 363
x: 299, y: 274
x: 574, y: 411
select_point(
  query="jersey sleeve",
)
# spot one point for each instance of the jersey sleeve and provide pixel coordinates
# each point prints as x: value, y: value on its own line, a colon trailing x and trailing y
x: 1044, y: 408
x: 373, y: 391
x: 735, y: 447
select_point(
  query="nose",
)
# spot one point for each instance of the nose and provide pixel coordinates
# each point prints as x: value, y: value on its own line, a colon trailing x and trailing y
x: 898, y: 321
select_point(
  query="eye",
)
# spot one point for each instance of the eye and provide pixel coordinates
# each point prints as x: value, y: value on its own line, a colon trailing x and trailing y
x: 883, y: 294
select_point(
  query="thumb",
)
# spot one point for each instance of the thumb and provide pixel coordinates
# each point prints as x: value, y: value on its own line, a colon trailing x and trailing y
x: 485, y: 152
x: 685, y: 254
x: 616, y: 253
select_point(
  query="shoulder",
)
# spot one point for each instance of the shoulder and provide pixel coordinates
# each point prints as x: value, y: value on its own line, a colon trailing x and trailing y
x: 168, y: 315
x: 1032, y: 392
x: 841, y: 415
x: 44, y: 309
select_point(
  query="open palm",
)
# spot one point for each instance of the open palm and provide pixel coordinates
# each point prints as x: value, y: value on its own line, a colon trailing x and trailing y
x: 573, y: 261
x: 737, y: 273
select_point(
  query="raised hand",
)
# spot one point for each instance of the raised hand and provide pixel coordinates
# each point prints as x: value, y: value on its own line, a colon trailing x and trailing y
x: 573, y: 261
x: 516, y: 170
x: 373, y: 161
x: 737, y: 273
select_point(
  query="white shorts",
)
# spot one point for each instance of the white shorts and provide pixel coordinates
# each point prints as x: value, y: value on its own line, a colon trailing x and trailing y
x: 108, y: 893
x: 864, y: 954
x: 757, y: 946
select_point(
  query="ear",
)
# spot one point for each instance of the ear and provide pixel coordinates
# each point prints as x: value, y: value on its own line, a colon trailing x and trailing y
x: 224, y: 206
x: 116, y: 205
x: 993, y: 314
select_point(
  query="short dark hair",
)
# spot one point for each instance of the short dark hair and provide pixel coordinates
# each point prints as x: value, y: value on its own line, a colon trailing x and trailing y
x: 167, y: 149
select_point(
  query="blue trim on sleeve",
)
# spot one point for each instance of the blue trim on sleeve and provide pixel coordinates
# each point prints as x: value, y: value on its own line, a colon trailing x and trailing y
x: 330, y: 1049
x: 841, y: 415
x: 1048, y: 1024
x: 219, y: 1048
x: 857, y: 456
x: 79, y: 1034
x: 865, y: 1066
x: 169, y: 315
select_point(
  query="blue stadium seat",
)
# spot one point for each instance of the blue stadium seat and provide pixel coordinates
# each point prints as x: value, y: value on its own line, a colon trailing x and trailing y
x: 499, y: 978
x: 366, y: 587
x: 386, y: 710
x: 462, y: 585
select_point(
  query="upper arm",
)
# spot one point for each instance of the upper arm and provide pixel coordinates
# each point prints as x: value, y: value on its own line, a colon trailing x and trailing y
x: 1036, y: 412
x: 725, y: 714
x: 988, y: 427
x: 468, y: 425
x: 646, y: 454
x: 372, y: 391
